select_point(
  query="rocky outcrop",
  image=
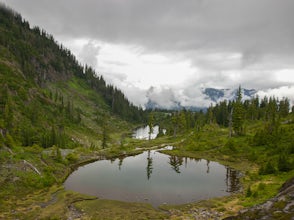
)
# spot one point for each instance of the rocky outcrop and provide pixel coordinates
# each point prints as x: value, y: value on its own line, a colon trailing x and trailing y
x: 279, y: 207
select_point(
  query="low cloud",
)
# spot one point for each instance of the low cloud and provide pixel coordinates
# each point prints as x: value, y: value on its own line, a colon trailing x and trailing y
x: 164, y: 97
x: 89, y: 53
x: 281, y: 92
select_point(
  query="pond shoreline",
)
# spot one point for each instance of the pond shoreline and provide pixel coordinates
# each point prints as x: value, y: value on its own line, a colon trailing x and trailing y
x: 224, y: 206
x: 149, y: 171
x: 102, y: 156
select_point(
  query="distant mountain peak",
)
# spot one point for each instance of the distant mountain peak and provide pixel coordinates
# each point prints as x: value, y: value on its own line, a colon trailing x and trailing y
x: 211, y: 95
x: 217, y: 95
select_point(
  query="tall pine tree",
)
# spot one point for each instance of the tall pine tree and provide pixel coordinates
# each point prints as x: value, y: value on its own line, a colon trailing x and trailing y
x: 238, y: 114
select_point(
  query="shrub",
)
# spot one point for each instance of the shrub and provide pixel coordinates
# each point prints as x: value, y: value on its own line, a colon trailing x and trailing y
x: 283, y: 164
x: 267, y: 169
x: 261, y: 186
x: 231, y: 145
x: 9, y: 141
x: 71, y: 157
x: 248, y: 192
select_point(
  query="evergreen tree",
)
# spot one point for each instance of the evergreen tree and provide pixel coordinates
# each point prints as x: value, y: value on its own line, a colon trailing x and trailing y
x: 283, y: 163
x: 53, y: 137
x: 252, y: 111
x: 175, y: 122
x: 105, y: 134
x: 238, y: 114
x: 150, y: 123
x: 284, y: 107
x: 272, y: 109
x: 182, y: 121
x: 8, y: 114
x: 210, y: 115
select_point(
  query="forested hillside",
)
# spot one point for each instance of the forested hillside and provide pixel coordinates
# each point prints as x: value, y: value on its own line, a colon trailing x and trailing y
x: 46, y: 95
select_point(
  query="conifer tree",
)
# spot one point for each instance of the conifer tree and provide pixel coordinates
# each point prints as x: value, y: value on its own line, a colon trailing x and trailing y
x: 210, y: 116
x: 182, y: 121
x: 284, y: 107
x: 175, y: 122
x: 238, y: 114
x: 150, y: 123
x: 105, y: 134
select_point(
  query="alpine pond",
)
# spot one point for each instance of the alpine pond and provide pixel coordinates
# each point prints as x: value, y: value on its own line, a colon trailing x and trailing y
x: 155, y: 178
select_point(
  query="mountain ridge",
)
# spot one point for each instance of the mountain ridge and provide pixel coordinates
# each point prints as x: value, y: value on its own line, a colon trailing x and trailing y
x: 213, y: 95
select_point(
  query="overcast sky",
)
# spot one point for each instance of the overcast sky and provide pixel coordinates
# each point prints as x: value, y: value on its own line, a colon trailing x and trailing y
x: 177, y: 46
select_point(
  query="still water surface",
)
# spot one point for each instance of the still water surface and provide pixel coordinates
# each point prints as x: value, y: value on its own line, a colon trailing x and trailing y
x: 155, y: 178
x: 143, y: 133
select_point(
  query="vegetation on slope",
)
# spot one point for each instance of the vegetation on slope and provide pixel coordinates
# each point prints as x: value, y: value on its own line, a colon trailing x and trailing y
x: 44, y: 90
x: 54, y: 113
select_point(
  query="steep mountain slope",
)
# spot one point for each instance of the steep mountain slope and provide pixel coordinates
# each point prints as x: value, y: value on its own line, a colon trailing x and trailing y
x: 47, y: 97
x: 54, y: 115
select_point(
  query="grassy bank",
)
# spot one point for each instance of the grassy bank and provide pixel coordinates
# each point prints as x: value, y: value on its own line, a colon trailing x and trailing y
x: 32, y: 177
x: 244, y: 153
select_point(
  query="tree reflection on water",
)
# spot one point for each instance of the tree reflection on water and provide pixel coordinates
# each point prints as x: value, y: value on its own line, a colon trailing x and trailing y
x: 175, y: 163
x: 232, y: 180
x: 149, y: 167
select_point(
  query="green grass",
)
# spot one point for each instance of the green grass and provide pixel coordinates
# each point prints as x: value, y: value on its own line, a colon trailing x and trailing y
x: 241, y: 153
x: 110, y: 209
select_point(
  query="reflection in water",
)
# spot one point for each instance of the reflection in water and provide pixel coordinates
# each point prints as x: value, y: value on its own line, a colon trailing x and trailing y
x: 124, y: 179
x: 232, y: 180
x: 145, y: 133
x: 207, y: 164
x: 149, y: 167
x: 120, y: 161
x: 175, y: 163
x: 186, y: 162
x: 112, y: 160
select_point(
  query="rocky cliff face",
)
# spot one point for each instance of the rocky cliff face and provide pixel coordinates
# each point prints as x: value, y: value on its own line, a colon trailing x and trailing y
x: 279, y: 207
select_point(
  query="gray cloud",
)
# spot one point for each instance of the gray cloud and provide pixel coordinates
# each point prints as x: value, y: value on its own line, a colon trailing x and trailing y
x: 230, y: 42
x: 164, y: 97
x: 89, y: 54
x: 263, y: 26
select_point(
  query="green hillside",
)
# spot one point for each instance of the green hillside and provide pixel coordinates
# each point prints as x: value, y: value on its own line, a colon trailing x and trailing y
x: 47, y: 98
x: 54, y: 113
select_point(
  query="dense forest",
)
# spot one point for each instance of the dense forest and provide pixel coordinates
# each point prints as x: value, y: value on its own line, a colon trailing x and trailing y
x: 232, y: 114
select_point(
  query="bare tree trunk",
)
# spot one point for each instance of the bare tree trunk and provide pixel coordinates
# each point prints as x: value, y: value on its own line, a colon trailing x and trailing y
x: 32, y: 167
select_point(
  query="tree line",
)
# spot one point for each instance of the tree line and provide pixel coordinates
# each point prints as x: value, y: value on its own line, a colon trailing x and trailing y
x: 230, y: 114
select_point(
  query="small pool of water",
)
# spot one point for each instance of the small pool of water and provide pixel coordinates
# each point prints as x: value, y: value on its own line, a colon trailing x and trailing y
x: 144, y: 133
x: 154, y: 177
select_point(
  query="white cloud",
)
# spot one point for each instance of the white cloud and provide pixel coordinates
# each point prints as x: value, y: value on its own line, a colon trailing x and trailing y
x: 89, y: 54
x: 285, y: 76
x: 281, y: 92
